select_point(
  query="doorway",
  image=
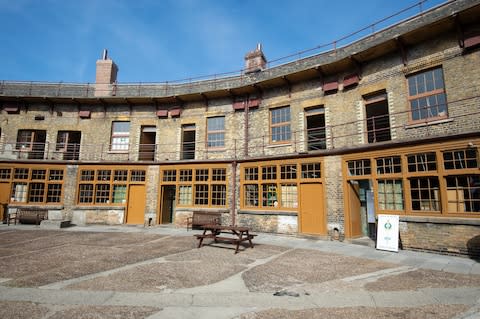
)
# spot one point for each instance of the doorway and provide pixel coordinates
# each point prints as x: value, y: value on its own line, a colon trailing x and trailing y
x: 146, y: 151
x: 361, y: 209
x: 168, y: 204
x: 316, y: 136
x: 4, y: 197
x: 188, y: 141
x: 312, y: 214
x: 378, y: 119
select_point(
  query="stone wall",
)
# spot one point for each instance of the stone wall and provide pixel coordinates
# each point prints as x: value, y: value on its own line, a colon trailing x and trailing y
x: 441, y: 236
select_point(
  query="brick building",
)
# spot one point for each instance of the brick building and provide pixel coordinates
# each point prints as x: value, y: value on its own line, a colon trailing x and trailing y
x: 387, y: 124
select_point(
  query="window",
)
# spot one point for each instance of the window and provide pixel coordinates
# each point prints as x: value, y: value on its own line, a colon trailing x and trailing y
x: 269, y: 172
x: 424, y: 192
x: 68, y: 144
x: 289, y: 195
x: 459, y: 159
x: 311, y: 170
x: 37, y: 185
x: 201, y: 194
x: 120, y: 136
x: 427, y: 95
x: 219, y: 195
x: 104, y: 186
x: 288, y: 171
x: 251, y: 173
x: 422, y: 162
x: 31, y: 143
x: 251, y: 195
x: 390, y: 194
x: 216, y: 132
x: 169, y: 175
x: 269, y: 195
x: 185, y: 195
x: 280, y: 124
x: 274, y: 186
x: 359, y: 167
x: 463, y: 193
x: 389, y: 165
x: 198, y: 186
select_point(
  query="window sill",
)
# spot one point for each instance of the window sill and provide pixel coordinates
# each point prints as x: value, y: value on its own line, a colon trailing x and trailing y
x: 216, y: 149
x: 426, y: 123
x: 99, y: 207
x: 118, y: 152
x: 267, y: 212
x: 279, y: 145
x: 474, y: 221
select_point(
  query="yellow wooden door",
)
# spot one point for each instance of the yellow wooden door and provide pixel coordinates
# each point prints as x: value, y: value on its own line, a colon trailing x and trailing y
x: 312, y: 212
x: 4, y: 194
x: 136, y: 205
x: 354, y: 209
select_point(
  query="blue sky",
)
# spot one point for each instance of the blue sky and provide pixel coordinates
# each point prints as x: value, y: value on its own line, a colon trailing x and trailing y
x: 168, y: 40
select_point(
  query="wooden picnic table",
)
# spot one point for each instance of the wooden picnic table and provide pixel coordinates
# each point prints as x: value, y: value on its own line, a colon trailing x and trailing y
x: 231, y: 234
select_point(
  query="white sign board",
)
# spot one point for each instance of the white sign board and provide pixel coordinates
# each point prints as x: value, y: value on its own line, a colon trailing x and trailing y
x: 387, y: 232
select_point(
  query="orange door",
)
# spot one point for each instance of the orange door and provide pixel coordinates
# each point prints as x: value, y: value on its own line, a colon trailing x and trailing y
x: 136, y: 205
x: 354, y: 209
x: 312, y: 212
x: 4, y: 194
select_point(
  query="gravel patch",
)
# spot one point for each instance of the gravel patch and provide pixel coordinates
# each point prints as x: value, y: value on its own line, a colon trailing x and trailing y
x: 303, y: 266
x: 425, y: 312
x: 197, y: 267
x: 423, y: 278
x: 22, y: 310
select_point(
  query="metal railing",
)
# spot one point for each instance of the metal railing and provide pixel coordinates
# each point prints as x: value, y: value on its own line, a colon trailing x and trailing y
x: 318, y: 139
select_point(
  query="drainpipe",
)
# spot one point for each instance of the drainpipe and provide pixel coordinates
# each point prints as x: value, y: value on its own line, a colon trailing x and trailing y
x: 233, y: 205
x: 245, y: 142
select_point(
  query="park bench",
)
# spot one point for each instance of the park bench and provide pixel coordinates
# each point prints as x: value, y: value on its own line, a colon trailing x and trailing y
x: 202, y: 218
x: 28, y: 215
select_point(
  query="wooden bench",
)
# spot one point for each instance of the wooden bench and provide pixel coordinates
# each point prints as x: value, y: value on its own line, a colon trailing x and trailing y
x: 202, y: 218
x: 28, y: 215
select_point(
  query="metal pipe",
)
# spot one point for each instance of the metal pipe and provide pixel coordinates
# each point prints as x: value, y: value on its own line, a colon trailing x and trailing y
x: 234, y: 193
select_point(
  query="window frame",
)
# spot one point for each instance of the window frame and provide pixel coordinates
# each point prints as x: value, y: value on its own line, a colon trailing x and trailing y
x: 101, y: 185
x: 283, y: 124
x: 40, y: 185
x: 211, y: 132
x: 122, y: 146
x: 425, y: 95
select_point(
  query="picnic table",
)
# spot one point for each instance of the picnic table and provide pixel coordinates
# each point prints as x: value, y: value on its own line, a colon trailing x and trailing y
x: 231, y: 234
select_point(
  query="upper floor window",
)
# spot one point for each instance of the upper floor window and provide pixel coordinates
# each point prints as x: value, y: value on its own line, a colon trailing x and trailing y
x: 31, y: 143
x: 280, y: 124
x: 426, y: 95
x: 120, y: 136
x: 216, y: 131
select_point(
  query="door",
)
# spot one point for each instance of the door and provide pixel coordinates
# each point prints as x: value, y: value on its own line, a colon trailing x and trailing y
x: 354, y: 209
x: 4, y: 194
x: 168, y: 204
x: 136, y: 205
x: 312, y: 214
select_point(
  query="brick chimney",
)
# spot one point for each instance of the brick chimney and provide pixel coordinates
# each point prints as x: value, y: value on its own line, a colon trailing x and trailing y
x: 106, y: 75
x: 255, y: 60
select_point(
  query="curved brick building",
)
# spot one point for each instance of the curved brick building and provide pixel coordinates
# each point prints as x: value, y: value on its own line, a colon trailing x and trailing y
x: 387, y: 124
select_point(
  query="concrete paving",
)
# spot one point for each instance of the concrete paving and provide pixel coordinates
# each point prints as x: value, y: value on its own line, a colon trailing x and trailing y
x: 282, y: 277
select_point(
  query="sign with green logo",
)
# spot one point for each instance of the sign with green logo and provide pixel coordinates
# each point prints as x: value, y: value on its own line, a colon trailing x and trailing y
x: 388, y: 232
